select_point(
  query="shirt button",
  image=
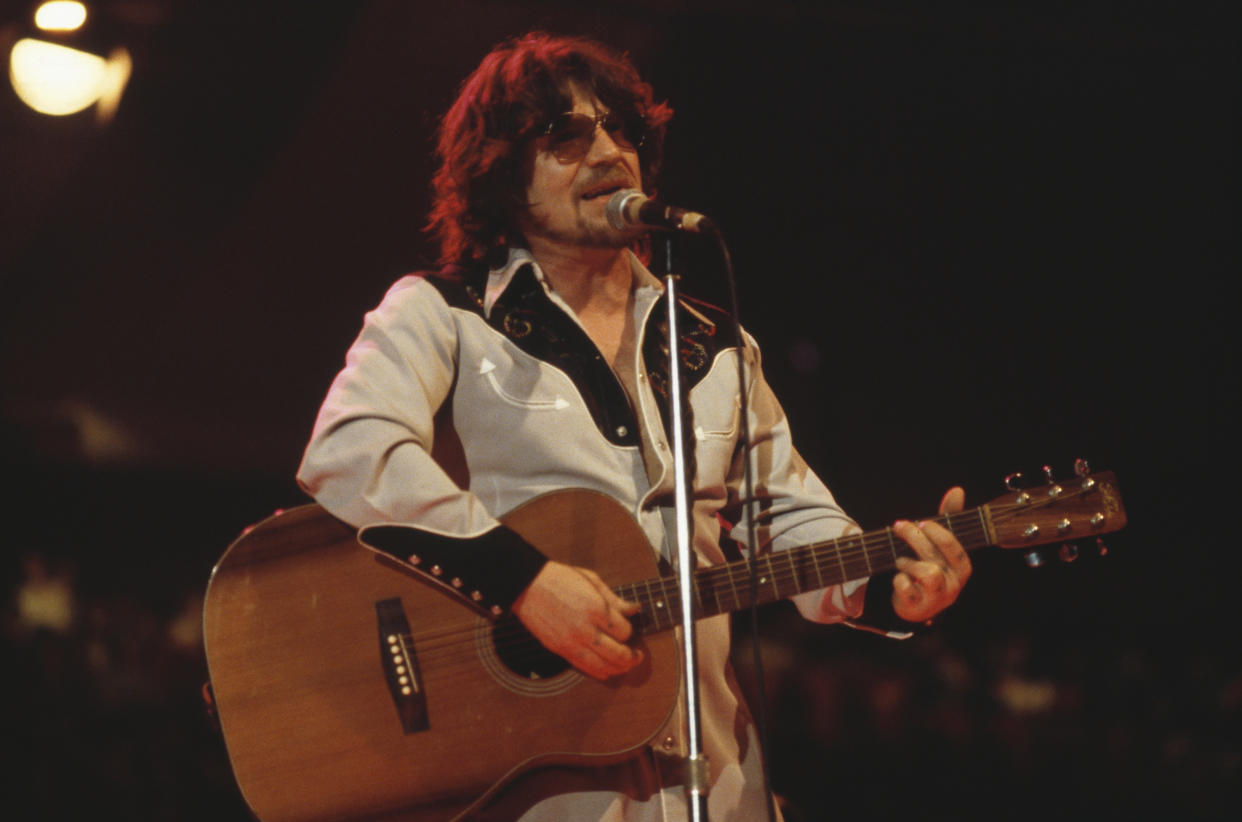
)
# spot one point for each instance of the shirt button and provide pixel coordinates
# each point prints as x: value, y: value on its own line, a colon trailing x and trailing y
x: 622, y: 430
x: 668, y: 743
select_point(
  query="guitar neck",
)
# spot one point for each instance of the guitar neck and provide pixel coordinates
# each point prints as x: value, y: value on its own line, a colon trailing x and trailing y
x: 782, y: 574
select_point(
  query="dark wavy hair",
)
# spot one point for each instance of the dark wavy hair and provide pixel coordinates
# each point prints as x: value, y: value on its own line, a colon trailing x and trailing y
x: 480, y: 187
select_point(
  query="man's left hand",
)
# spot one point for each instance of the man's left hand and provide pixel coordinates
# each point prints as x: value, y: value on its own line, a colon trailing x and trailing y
x: 925, y: 586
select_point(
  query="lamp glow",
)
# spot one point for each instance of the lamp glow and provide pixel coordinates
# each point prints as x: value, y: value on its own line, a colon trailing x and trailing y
x: 60, y: 15
x: 58, y: 80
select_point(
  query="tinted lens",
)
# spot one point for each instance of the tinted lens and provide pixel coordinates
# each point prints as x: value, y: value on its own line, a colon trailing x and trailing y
x: 570, y: 136
x: 626, y: 132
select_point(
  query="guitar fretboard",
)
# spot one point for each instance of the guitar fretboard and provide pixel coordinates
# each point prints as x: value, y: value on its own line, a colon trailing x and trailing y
x: 781, y: 574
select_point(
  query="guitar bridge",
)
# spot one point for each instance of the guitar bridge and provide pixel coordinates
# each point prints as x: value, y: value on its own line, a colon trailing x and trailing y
x: 400, y: 665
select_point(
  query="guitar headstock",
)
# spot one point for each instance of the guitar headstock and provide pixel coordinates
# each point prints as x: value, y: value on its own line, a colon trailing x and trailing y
x: 1087, y: 506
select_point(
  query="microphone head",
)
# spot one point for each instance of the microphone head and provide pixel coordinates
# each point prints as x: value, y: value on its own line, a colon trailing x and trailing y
x: 622, y: 208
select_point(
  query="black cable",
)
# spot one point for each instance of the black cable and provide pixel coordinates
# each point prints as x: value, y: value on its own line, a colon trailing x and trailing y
x: 748, y: 500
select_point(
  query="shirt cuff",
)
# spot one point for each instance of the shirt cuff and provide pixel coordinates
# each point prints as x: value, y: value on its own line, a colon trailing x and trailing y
x: 490, y: 570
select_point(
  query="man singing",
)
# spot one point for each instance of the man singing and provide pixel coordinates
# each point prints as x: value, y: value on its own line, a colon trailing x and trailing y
x: 536, y: 360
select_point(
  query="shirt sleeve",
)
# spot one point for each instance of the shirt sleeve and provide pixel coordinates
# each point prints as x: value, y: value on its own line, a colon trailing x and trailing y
x: 793, y: 506
x: 370, y: 458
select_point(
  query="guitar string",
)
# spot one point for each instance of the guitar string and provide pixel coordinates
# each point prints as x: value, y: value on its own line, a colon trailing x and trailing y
x: 665, y: 589
x: 453, y: 651
x: 783, y: 568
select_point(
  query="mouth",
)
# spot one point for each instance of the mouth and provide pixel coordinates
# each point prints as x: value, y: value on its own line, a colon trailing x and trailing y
x: 604, y: 190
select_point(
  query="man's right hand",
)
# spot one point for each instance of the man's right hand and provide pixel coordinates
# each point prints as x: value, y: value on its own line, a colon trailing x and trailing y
x: 574, y: 614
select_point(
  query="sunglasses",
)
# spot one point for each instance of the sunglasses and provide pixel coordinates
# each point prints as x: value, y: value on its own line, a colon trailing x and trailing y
x: 569, y: 136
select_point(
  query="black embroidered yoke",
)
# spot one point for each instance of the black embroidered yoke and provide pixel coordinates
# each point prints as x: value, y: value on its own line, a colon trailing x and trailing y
x: 526, y: 315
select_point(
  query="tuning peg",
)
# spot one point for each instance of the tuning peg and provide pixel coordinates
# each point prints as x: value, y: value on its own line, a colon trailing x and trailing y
x: 1068, y: 552
x: 1033, y: 558
x: 1054, y: 490
x: 1023, y: 497
x: 1101, y: 547
x: 1083, y: 471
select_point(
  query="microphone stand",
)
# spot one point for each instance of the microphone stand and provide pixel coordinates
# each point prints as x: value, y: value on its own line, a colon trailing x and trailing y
x: 696, y: 760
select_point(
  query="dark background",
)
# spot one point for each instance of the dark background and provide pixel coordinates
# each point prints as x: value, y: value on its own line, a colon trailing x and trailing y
x: 971, y: 238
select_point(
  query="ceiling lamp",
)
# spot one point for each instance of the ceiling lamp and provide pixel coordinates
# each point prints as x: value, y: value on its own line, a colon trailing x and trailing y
x: 56, y: 71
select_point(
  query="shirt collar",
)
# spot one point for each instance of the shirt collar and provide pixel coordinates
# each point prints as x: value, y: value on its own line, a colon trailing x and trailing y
x: 499, y: 279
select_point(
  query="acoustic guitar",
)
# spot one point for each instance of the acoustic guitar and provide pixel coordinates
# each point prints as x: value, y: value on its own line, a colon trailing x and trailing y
x: 350, y: 687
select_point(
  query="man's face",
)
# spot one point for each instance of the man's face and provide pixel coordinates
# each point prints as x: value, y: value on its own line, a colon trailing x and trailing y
x: 567, y: 193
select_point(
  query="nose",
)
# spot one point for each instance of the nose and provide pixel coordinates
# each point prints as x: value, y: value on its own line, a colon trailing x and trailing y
x: 603, y: 148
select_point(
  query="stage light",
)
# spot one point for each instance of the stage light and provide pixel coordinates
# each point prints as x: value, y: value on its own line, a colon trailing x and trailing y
x: 60, y: 15
x: 57, y: 73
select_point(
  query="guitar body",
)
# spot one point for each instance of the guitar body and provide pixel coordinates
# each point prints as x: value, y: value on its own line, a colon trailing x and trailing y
x: 313, y: 726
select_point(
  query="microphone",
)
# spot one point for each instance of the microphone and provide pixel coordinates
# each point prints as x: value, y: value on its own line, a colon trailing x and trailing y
x: 630, y: 208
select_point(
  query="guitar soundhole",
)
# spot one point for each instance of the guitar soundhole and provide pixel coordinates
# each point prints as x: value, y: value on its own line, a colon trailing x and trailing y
x: 521, y: 653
